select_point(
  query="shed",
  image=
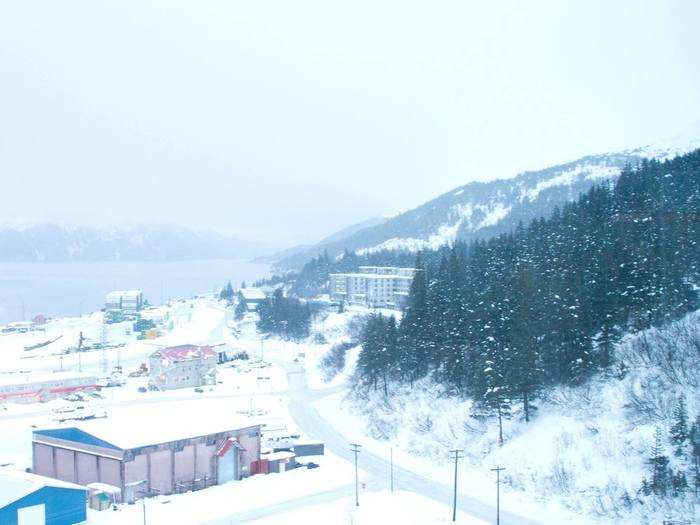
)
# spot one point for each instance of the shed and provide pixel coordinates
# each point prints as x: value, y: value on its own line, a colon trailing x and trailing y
x: 281, y: 461
x: 29, y: 499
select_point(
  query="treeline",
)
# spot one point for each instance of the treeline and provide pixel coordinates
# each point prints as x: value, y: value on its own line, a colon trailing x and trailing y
x: 287, y: 317
x: 499, y: 320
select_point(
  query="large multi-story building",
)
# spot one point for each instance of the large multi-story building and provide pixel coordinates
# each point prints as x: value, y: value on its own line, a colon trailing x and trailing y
x: 182, y: 367
x: 373, y: 286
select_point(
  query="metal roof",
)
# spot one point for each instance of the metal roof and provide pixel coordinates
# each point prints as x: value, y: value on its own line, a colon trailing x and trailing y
x: 16, y: 484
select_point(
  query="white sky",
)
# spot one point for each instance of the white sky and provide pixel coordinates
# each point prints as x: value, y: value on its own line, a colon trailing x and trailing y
x: 284, y: 121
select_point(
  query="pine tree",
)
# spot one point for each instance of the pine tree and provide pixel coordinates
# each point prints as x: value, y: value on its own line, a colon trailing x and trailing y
x: 660, y: 471
x: 679, y: 429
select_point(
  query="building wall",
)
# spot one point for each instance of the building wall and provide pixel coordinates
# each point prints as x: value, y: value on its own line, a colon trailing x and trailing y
x: 168, y: 467
x: 62, y: 506
x: 184, y: 374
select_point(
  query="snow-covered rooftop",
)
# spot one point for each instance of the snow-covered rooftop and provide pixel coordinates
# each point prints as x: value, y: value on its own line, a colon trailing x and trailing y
x: 147, y: 424
x: 374, y: 276
x: 20, y: 378
x: 183, y: 352
x: 254, y: 294
x: 123, y: 294
x: 16, y: 484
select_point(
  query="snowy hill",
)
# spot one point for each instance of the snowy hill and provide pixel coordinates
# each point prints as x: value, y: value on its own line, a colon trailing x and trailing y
x: 47, y: 242
x: 585, y: 454
x: 482, y: 210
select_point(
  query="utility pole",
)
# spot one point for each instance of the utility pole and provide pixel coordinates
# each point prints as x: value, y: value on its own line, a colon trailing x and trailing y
x: 457, y: 457
x: 80, y: 351
x: 144, y: 510
x: 391, y: 467
x: 356, y: 450
x: 498, y: 470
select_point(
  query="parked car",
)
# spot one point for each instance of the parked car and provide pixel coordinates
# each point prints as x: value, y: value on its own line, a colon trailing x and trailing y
x: 143, y: 389
x: 311, y: 465
x: 199, y: 390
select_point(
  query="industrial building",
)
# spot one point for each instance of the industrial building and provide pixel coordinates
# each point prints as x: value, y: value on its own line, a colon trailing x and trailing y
x: 251, y: 298
x: 29, y: 499
x: 127, y: 301
x: 150, y: 455
x: 182, y: 367
x: 30, y: 388
x: 373, y: 286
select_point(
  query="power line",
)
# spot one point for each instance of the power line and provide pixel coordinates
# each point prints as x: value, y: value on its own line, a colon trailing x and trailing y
x: 498, y: 470
x: 356, y: 450
x: 457, y: 457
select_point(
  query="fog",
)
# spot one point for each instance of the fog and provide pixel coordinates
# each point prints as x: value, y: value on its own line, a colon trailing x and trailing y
x: 284, y: 121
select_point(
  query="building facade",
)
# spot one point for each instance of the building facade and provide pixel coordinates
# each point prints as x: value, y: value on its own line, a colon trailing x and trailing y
x: 31, y: 499
x: 127, y: 301
x: 143, y: 467
x: 183, y: 366
x: 26, y: 388
x: 373, y: 286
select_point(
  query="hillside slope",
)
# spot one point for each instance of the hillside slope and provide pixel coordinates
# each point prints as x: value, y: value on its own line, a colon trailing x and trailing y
x: 482, y: 210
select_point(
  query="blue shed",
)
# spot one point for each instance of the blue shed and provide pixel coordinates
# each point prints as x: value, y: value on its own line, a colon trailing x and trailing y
x: 29, y: 499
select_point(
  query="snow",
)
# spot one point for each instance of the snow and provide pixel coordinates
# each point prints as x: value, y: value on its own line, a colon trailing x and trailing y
x: 220, y: 504
x: 19, y: 378
x: 590, y: 171
x: 584, y: 448
x: 15, y: 484
x: 376, y: 508
x: 145, y: 424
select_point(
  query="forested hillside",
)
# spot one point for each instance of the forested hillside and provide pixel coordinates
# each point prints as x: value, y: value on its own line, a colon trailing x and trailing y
x: 502, y: 319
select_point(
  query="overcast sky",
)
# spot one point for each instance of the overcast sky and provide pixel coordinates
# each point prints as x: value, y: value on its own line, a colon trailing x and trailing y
x: 284, y: 121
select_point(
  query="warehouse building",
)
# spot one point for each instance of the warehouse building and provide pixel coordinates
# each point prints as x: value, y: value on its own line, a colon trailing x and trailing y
x: 32, y: 388
x: 149, y: 455
x: 182, y: 367
x: 28, y: 499
x: 373, y: 286
x: 127, y: 301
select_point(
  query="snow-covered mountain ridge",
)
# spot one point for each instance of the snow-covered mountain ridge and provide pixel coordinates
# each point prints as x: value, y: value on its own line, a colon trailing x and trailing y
x: 47, y: 242
x: 481, y: 210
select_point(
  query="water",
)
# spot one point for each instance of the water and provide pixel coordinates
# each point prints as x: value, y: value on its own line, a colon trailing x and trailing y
x: 66, y: 289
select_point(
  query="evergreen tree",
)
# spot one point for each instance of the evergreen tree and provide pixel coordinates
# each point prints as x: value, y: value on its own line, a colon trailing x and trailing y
x: 679, y: 429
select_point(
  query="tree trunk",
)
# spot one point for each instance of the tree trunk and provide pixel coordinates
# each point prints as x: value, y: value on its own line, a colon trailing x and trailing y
x: 500, y: 427
x: 526, y: 406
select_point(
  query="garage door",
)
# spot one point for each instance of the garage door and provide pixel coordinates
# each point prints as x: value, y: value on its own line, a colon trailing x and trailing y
x: 34, y: 515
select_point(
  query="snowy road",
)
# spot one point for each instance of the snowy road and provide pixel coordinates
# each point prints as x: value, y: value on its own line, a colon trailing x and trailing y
x: 310, y: 421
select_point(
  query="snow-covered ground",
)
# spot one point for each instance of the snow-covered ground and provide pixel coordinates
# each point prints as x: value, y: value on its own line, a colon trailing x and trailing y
x: 585, y: 451
x: 569, y: 465
x: 376, y: 508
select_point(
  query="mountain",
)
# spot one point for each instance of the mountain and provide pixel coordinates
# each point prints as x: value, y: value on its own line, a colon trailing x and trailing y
x: 47, y: 242
x: 481, y: 210
x: 298, y: 255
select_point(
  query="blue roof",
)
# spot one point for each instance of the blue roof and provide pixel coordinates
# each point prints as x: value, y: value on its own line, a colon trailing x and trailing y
x: 76, y: 435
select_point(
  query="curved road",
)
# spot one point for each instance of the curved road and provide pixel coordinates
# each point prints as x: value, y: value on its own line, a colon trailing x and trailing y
x: 311, y: 422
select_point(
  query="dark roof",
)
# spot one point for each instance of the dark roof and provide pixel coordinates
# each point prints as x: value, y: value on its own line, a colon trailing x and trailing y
x: 76, y: 435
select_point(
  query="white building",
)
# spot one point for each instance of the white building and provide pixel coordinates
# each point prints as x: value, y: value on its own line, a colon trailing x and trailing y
x: 251, y: 297
x: 373, y: 286
x: 182, y: 367
x: 128, y: 301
